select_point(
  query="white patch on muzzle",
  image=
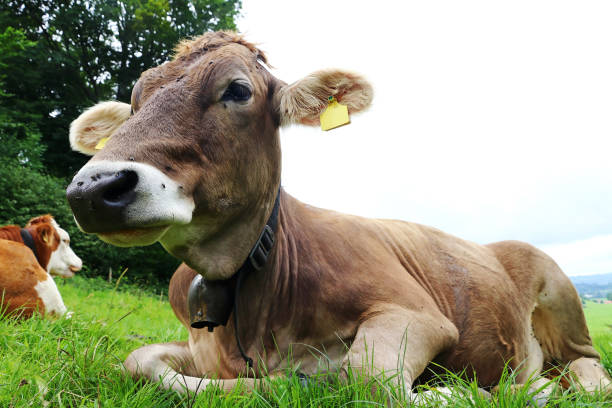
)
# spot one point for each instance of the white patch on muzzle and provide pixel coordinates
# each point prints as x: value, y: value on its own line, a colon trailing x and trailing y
x: 159, y: 199
x: 50, y: 296
x: 63, y: 261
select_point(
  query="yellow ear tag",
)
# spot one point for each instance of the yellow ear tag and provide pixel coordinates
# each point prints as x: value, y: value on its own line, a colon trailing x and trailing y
x: 334, y: 115
x: 101, y: 143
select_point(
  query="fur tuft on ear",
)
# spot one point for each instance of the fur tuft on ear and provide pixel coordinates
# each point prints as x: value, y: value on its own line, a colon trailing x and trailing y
x: 97, y: 122
x: 304, y: 101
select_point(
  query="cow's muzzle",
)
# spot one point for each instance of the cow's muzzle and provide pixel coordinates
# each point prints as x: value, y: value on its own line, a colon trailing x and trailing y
x: 99, y: 200
x: 127, y: 203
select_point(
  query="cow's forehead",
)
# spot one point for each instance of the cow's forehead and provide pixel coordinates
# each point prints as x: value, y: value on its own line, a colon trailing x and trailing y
x: 214, y: 41
x: 203, y: 64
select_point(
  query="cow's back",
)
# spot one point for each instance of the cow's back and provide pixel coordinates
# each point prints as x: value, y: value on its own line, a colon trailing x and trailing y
x: 11, y: 233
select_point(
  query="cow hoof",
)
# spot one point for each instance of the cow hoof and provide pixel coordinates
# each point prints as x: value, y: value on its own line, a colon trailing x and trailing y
x: 537, y: 398
x: 303, y: 379
x: 540, y: 399
x: 443, y: 396
x: 485, y: 394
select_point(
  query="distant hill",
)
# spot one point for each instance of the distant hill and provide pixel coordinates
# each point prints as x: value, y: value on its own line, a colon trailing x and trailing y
x: 593, y: 285
x: 602, y: 279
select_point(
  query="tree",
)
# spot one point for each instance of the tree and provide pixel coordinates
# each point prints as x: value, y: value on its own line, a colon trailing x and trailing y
x: 86, y: 51
x: 18, y: 136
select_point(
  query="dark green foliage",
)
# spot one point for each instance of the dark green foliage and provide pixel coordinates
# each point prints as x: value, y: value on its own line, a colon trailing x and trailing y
x: 85, y: 52
x: 59, y: 57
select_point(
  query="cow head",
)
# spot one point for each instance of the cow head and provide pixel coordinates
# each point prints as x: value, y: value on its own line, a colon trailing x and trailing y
x: 194, y: 162
x: 62, y: 261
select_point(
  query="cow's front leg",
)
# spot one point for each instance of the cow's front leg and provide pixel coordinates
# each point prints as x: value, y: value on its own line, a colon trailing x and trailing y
x: 399, y: 342
x: 172, y: 365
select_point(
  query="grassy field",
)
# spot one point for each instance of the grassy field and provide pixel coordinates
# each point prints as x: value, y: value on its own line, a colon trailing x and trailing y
x: 599, y: 318
x: 77, y: 362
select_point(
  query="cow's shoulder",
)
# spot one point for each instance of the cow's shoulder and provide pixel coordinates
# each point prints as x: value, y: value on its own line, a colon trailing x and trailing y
x: 19, y: 268
x: 16, y: 255
x: 11, y: 249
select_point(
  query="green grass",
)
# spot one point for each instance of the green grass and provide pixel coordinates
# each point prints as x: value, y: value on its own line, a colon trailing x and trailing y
x: 599, y: 318
x: 77, y: 362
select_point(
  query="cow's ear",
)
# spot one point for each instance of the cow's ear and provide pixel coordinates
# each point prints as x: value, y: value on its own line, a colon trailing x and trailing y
x: 41, y: 219
x: 96, y: 123
x: 45, y: 232
x: 305, y: 100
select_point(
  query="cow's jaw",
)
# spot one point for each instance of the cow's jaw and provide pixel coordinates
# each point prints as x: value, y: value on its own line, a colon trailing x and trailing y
x: 138, y: 217
x: 215, y: 248
x: 134, y: 237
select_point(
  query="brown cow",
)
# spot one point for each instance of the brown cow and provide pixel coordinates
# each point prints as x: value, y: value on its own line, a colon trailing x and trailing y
x: 49, y: 242
x: 197, y: 168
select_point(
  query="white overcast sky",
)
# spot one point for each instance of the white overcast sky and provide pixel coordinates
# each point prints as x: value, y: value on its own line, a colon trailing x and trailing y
x: 491, y: 120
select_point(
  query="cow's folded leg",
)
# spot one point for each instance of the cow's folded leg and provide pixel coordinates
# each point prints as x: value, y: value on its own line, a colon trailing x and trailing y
x: 444, y: 396
x: 172, y: 365
x: 540, y: 390
x: 590, y: 375
x: 399, y: 342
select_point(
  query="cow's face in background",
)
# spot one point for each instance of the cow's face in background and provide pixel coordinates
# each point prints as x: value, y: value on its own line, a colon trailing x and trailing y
x: 194, y: 162
x: 63, y: 261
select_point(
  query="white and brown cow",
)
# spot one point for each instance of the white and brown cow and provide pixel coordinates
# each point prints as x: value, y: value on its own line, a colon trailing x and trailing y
x: 25, y: 287
x: 25, y: 253
x: 49, y: 242
x: 195, y: 164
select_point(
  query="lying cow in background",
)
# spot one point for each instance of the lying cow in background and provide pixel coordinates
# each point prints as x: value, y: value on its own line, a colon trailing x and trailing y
x: 25, y: 287
x: 194, y: 163
x: 28, y: 258
x: 49, y: 242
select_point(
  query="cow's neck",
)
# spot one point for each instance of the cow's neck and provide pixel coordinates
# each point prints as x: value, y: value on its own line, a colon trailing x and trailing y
x: 211, y: 302
x: 43, y: 254
x: 218, y: 255
x: 279, y: 298
x: 26, y: 236
x: 254, y: 291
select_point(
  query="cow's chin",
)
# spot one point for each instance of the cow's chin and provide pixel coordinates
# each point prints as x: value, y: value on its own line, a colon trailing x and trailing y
x: 134, y: 237
x: 66, y: 273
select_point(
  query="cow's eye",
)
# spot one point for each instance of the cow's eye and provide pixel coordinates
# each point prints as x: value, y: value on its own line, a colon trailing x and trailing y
x: 237, y: 92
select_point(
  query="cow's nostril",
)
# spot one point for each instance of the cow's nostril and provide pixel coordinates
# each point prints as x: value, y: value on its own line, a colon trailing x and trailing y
x: 123, y: 184
x: 100, y: 199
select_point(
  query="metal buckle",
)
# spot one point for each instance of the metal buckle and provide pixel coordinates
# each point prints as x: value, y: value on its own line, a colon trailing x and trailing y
x: 261, y: 250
